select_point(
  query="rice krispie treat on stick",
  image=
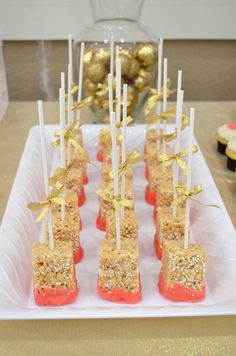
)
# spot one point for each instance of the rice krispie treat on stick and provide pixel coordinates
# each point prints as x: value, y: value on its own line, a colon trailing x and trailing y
x: 151, y: 137
x: 106, y: 205
x: 54, y: 274
x: 104, y: 144
x: 156, y: 174
x: 69, y: 230
x: 182, y: 276
x: 76, y: 155
x: 118, y: 275
x: 128, y: 225
x: 168, y: 227
x: 74, y: 182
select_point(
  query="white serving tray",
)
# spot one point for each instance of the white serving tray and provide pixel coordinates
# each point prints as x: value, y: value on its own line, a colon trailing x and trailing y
x: 210, y: 226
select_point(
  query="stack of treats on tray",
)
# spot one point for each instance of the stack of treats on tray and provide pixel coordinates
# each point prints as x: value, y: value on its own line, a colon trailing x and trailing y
x: 118, y: 274
x: 183, y: 263
x: 54, y: 259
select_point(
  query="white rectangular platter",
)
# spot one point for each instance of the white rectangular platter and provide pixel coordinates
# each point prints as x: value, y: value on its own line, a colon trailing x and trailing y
x: 210, y: 226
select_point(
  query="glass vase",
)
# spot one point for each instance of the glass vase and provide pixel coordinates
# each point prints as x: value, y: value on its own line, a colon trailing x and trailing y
x: 138, y: 54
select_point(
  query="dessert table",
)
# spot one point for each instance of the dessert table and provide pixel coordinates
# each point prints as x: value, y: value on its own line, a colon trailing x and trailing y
x: 188, y: 336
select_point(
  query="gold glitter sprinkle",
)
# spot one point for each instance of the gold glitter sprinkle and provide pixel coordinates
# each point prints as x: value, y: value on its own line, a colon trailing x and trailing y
x: 169, y: 228
x: 119, y: 268
x: 53, y: 268
x: 69, y: 230
x: 184, y: 266
x: 129, y: 225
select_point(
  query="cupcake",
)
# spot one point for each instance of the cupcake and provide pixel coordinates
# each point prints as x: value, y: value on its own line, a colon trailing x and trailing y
x: 231, y: 155
x: 224, y: 134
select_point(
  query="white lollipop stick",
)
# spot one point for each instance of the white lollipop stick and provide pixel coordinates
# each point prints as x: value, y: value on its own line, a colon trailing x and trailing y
x: 69, y: 100
x: 124, y: 140
x: 69, y: 111
x: 45, y: 166
x: 159, y: 74
x: 112, y: 67
x: 80, y: 81
x: 118, y: 84
x: 179, y: 114
x: 62, y: 140
x: 115, y: 173
x: 165, y: 69
x: 43, y: 146
x: 63, y: 81
x: 179, y: 82
x: 70, y: 54
x: 189, y: 176
x: 112, y: 56
x: 110, y: 95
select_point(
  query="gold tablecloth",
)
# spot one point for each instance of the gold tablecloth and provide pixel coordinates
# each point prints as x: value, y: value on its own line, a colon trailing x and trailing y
x: 173, y: 336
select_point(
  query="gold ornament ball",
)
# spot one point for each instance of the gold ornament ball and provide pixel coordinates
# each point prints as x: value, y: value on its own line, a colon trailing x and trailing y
x: 134, y: 68
x: 88, y: 55
x: 146, y: 74
x: 125, y: 59
x: 142, y: 80
x: 90, y: 87
x: 139, y: 83
x: 95, y: 71
x: 146, y: 53
x: 102, y: 55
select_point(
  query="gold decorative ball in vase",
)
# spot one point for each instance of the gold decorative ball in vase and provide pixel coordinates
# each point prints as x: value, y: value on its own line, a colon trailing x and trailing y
x: 137, y: 50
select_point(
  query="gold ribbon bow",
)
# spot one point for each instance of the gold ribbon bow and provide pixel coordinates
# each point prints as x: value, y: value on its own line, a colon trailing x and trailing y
x: 184, y: 194
x: 171, y: 136
x: 116, y: 201
x: 167, y: 160
x: 155, y: 97
x: 83, y: 103
x: 70, y: 137
x: 132, y: 158
x: 171, y: 112
x: 45, y: 205
x: 62, y: 173
x: 74, y: 89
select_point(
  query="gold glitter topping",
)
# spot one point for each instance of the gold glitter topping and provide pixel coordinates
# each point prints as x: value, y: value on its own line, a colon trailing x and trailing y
x: 119, y: 268
x: 169, y: 228
x: 53, y: 268
x: 129, y: 225
x: 71, y: 205
x: 104, y: 144
x: 184, y: 266
x: 68, y: 230
x: 74, y: 180
x: 158, y: 174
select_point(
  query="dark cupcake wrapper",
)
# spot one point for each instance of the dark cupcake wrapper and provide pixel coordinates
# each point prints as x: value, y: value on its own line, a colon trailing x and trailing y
x: 231, y: 164
x: 221, y: 147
